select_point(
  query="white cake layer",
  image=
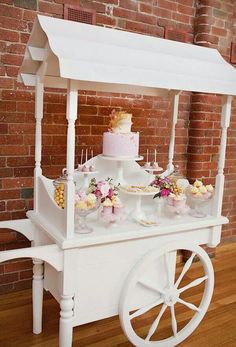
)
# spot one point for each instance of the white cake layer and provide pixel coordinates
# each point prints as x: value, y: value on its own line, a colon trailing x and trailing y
x: 120, y: 145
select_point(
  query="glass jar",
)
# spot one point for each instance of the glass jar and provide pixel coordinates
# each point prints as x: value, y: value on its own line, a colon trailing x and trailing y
x: 59, y: 192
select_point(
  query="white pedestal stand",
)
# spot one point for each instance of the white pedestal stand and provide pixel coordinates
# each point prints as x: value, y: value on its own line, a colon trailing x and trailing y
x: 86, y: 176
x: 119, y: 168
x: 138, y: 213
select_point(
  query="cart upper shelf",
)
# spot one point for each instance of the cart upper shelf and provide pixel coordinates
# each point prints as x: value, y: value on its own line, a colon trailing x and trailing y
x: 111, y: 60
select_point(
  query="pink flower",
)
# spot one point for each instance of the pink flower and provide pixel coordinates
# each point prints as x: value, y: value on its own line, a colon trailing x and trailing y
x: 110, y: 193
x: 104, y: 187
x: 98, y: 193
x: 164, y: 192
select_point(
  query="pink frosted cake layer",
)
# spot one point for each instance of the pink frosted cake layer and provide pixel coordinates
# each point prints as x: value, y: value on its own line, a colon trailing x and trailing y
x: 120, y: 145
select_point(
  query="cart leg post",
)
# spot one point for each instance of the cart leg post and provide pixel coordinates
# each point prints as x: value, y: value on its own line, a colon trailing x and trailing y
x: 66, y: 315
x: 38, y: 270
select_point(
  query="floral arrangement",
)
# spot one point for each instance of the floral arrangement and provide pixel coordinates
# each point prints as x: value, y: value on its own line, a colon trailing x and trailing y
x: 104, y: 189
x: 85, y: 201
x: 165, y: 185
x: 199, y: 190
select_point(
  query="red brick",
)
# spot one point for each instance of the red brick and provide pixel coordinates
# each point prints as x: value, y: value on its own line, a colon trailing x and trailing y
x: 120, y: 12
x: 13, y: 150
x: 182, y: 18
x: 136, y: 27
x: 163, y: 13
x: 2, y: 206
x: 50, y: 8
x: 12, y: 71
x: 24, y: 172
x: 129, y: 4
x: 169, y: 5
x: 105, y: 20
x: 206, y: 38
x: 146, y: 8
x: 17, y: 266
x: 8, y: 278
x: 27, y: 274
x: 5, y: 216
x: 205, y: 10
x: 6, y: 82
x: 94, y: 5
x: 20, y: 162
x: 146, y: 18
x: 29, y: 15
x: 10, y: 183
x: 211, y: 3
x: 219, y: 31
x: 16, y: 48
x: 10, y: 11
x: 13, y: 24
x: 6, y: 172
x: 24, y: 37
x: 9, y: 194
x: 21, y: 128
x: 7, y: 106
x: 101, y: 101
x: 186, y: 10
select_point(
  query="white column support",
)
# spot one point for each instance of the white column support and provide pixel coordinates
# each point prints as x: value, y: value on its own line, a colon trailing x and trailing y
x: 219, y: 184
x: 71, y: 115
x: 39, y: 89
x: 174, y: 111
x: 38, y: 271
x: 66, y: 321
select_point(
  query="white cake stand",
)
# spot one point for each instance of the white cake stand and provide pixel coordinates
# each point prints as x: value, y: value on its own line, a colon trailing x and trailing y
x: 138, y: 213
x: 120, y: 170
x: 86, y: 176
x: 152, y: 170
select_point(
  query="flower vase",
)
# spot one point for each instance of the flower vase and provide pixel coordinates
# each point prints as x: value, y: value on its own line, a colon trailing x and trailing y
x: 159, y: 206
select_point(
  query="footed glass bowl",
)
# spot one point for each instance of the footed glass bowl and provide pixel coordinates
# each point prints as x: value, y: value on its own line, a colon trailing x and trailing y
x: 198, y: 204
x: 81, y: 226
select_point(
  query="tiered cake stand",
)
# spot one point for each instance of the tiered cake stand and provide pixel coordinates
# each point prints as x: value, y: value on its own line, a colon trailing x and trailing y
x: 138, y: 213
x: 119, y: 168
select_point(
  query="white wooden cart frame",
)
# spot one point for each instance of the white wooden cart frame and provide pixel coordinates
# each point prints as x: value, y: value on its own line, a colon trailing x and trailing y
x: 64, y: 54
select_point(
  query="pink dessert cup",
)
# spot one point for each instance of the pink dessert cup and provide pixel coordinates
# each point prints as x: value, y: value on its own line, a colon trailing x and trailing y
x: 170, y: 201
x: 107, y: 210
x: 180, y: 204
x: 119, y: 211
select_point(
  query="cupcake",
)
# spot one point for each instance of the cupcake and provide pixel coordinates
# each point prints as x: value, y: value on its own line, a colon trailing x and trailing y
x: 107, y: 207
x: 179, y: 201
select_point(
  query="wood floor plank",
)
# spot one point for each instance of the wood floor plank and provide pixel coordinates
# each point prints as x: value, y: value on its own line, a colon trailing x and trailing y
x: 216, y: 330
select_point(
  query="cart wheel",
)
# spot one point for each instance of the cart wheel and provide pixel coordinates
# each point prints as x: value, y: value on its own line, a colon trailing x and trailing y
x: 165, y: 295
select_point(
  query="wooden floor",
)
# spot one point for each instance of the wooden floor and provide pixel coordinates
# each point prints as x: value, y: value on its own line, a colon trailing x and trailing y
x: 218, y: 328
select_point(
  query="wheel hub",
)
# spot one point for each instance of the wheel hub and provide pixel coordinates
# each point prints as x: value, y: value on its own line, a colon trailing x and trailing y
x: 170, y: 297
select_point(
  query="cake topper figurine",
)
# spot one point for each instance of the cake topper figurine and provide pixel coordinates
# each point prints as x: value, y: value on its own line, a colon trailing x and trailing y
x: 120, y: 122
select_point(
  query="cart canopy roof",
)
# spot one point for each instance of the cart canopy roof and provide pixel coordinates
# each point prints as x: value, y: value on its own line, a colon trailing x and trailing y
x: 108, y: 59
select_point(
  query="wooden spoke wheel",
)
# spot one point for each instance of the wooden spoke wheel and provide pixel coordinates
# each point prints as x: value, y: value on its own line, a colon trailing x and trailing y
x: 166, y: 294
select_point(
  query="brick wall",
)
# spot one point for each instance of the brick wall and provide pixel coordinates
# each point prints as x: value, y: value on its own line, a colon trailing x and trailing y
x: 205, y: 22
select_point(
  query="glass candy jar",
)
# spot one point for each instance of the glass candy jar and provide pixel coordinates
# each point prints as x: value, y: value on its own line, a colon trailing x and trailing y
x: 59, y: 192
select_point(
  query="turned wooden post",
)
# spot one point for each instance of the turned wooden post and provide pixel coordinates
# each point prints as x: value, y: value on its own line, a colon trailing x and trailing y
x: 66, y: 315
x: 71, y: 115
x: 38, y: 275
x: 220, y: 178
x: 39, y: 89
x: 174, y: 111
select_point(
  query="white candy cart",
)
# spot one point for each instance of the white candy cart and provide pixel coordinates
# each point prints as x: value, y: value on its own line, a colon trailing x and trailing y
x: 127, y: 270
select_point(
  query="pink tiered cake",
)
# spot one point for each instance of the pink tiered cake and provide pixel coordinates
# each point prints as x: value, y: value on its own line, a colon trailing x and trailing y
x: 120, y: 141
